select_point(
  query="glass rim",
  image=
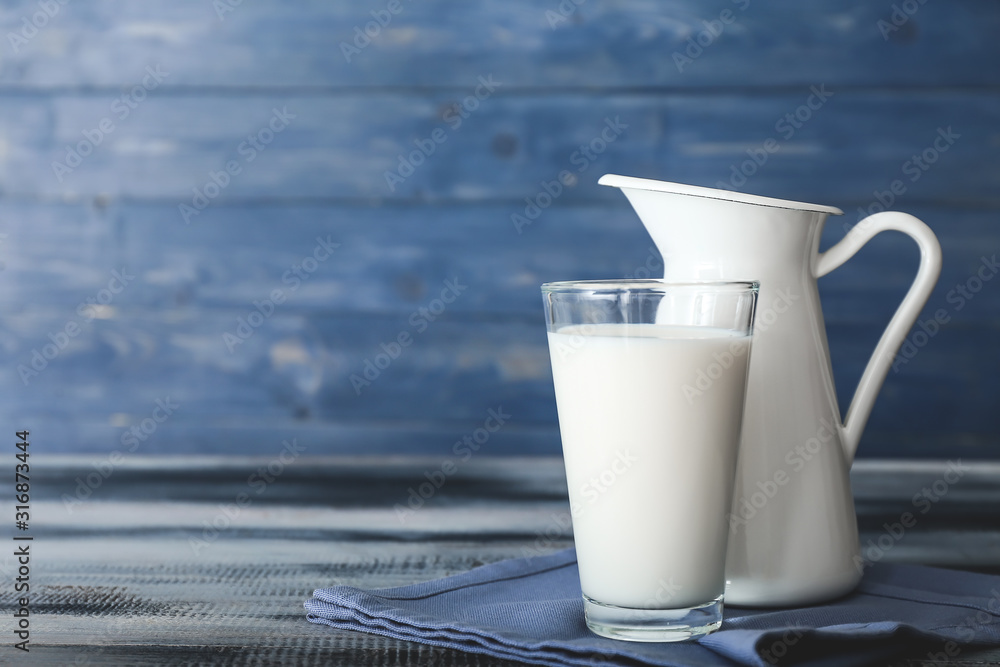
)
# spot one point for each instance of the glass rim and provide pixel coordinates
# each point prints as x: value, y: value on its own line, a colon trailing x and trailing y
x: 647, y: 284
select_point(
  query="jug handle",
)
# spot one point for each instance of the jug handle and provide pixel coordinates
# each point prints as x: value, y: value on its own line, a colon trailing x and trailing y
x: 901, y: 322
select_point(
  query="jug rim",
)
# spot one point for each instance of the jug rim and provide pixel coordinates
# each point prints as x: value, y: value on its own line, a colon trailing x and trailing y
x: 632, y: 182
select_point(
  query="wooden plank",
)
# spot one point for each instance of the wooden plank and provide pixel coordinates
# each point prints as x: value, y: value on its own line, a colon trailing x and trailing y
x: 263, y: 435
x: 348, y: 482
x: 303, y: 368
x: 348, y: 492
x: 602, y: 44
x: 856, y: 142
x: 297, y: 364
x: 128, y: 601
x: 396, y: 260
x: 294, y: 378
x: 360, y: 496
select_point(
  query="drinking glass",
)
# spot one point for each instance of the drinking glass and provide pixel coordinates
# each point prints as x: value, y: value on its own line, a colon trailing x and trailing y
x: 650, y: 378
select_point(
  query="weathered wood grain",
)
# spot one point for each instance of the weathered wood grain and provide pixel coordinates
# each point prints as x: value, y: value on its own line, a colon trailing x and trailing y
x: 324, y: 176
x: 600, y: 44
x: 306, y: 378
x: 340, y: 146
x: 153, y: 602
x: 108, y: 595
x: 226, y: 267
x: 263, y: 436
x: 393, y: 260
x: 294, y: 379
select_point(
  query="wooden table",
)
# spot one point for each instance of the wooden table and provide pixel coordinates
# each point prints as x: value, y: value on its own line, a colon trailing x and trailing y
x: 161, y: 565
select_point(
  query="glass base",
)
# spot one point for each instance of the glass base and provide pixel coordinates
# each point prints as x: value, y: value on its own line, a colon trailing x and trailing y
x: 652, y: 625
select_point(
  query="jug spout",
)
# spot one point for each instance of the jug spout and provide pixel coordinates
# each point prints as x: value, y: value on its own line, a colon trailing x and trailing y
x: 653, y: 199
x: 708, y: 234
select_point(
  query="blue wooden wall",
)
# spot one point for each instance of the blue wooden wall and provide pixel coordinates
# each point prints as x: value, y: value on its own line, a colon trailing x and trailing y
x: 145, y: 105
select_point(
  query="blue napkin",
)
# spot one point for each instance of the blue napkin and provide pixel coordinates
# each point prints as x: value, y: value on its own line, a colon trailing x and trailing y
x: 530, y: 609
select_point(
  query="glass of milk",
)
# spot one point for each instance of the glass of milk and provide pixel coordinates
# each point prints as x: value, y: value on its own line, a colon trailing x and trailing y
x: 650, y: 378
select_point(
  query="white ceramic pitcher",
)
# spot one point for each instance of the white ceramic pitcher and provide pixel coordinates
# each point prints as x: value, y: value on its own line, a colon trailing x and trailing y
x: 794, y: 536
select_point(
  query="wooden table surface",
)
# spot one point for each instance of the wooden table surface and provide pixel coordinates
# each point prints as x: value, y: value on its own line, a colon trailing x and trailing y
x: 159, y: 564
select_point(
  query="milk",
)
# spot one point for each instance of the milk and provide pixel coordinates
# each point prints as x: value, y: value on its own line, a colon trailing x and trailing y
x: 650, y: 422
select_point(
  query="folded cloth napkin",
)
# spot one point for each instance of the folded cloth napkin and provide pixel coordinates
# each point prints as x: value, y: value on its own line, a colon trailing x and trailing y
x: 530, y: 609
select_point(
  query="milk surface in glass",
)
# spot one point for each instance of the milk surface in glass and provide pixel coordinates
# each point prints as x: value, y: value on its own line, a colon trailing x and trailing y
x: 650, y: 419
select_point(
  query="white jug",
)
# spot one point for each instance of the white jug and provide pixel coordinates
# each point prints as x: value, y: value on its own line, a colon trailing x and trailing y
x: 794, y: 535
